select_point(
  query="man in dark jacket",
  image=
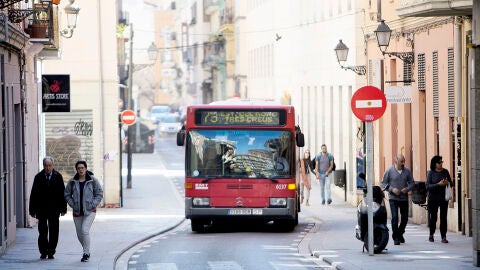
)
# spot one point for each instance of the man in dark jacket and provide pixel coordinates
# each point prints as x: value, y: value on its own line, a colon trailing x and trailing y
x: 47, y: 203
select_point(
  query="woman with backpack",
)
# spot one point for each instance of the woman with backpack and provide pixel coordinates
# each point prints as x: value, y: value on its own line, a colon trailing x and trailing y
x: 306, y: 182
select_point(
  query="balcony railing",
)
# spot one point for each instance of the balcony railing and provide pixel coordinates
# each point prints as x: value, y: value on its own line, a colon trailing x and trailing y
x: 432, y: 8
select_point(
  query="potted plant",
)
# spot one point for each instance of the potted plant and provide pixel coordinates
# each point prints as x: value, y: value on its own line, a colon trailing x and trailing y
x: 39, y: 25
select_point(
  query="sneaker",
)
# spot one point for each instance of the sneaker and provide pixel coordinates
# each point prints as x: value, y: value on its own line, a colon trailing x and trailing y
x: 51, y: 257
x: 401, y: 239
x: 85, y: 258
x: 396, y: 242
x: 431, y: 238
x: 323, y: 202
x: 43, y: 257
x: 329, y: 201
x: 444, y: 240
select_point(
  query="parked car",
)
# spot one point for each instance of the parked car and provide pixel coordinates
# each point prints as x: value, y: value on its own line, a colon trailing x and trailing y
x: 143, y: 132
x: 159, y: 111
x: 169, y: 124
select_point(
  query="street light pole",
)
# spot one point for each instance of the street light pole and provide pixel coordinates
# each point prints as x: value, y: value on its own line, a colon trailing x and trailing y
x: 130, y: 107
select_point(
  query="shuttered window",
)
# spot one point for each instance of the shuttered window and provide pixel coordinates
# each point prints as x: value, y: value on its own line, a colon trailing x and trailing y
x: 451, y: 84
x: 421, y: 71
x: 435, y: 83
x: 407, y: 73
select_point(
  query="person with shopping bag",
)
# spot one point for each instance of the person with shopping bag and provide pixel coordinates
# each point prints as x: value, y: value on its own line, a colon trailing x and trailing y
x: 439, y: 185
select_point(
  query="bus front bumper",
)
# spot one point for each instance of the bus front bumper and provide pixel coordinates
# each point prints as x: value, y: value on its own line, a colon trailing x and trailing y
x: 288, y: 212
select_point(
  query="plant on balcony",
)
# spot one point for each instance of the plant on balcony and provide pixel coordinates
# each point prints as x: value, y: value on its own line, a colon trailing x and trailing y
x: 38, y: 25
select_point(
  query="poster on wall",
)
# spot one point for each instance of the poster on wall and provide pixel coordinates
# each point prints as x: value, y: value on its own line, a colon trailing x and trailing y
x: 56, y: 93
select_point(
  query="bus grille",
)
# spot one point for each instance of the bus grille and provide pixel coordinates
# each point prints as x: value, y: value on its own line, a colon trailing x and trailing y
x: 237, y: 186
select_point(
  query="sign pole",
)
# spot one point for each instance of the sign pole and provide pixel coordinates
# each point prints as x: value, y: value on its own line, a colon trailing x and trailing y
x: 130, y: 107
x: 369, y: 176
x: 368, y: 104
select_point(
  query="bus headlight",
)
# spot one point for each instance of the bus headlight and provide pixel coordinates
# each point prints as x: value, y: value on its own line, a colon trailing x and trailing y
x: 201, y: 202
x: 278, y: 202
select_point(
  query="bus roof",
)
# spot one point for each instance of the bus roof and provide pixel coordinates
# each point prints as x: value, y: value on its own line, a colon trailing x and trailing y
x: 246, y: 102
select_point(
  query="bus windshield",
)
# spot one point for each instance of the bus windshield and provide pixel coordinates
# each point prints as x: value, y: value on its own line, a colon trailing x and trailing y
x: 230, y: 153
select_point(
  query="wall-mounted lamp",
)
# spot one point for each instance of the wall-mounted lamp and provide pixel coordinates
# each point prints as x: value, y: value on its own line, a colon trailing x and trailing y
x: 383, y: 34
x: 152, y: 52
x: 342, y: 52
x: 72, y: 11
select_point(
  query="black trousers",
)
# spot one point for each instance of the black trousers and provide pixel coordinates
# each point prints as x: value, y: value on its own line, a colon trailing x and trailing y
x: 432, y: 216
x: 48, y: 228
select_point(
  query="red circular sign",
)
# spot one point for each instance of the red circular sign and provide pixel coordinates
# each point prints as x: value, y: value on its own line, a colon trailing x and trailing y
x: 128, y: 117
x: 368, y: 103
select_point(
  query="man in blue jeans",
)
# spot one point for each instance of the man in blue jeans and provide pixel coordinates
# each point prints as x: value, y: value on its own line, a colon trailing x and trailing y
x: 323, y: 167
x: 399, y: 181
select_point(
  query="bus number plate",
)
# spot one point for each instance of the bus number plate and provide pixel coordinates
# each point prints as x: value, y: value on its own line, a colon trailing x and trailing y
x: 245, y: 211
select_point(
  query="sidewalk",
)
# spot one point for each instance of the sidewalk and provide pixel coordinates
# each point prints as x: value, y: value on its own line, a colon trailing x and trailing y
x: 332, y: 239
x: 144, y: 214
x: 334, y: 242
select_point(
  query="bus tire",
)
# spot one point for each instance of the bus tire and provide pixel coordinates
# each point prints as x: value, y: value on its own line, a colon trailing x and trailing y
x: 197, y: 225
x: 286, y: 225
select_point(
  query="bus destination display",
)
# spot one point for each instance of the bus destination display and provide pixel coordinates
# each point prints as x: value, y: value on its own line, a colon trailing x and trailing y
x: 236, y: 118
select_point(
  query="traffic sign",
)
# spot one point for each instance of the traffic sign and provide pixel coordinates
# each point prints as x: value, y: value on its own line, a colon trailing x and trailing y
x: 368, y: 103
x: 128, y: 117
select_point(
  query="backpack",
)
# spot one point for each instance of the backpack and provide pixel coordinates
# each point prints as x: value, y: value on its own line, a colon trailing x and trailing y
x: 334, y: 166
x: 312, y: 164
x: 419, y: 193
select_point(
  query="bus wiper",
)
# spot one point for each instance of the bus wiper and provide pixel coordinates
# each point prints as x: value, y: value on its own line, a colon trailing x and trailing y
x: 272, y: 179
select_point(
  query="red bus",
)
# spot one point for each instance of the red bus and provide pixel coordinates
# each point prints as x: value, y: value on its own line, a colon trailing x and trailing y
x: 240, y: 163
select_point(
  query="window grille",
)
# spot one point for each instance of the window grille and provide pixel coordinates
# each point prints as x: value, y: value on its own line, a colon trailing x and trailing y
x: 407, y: 73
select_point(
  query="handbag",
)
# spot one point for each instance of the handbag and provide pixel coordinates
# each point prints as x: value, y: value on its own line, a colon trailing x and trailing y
x: 448, y: 193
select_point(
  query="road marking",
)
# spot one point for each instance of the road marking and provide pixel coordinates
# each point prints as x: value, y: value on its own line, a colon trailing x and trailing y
x: 222, y: 265
x: 162, y: 266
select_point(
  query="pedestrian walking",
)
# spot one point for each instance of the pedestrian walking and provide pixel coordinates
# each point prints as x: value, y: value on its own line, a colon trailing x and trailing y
x: 399, y: 181
x: 306, y: 182
x: 83, y: 193
x: 47, y: 204
x: 437, y: 180
x: 323, y: 167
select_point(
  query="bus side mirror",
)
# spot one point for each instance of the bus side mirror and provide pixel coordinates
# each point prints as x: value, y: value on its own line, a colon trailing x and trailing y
x: 300, y: 140
x: 181, y: 137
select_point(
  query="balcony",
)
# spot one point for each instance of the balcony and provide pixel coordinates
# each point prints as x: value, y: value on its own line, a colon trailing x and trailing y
x: 433, y: 8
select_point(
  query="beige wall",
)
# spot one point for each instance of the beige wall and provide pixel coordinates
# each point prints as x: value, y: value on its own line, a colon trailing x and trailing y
x: 91, y: 60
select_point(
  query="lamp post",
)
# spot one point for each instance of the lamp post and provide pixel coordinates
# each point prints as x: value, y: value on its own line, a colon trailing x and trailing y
x: 72, y: 11
x: 130, y: 107
x: 341, y: 50
x: 383, y: 34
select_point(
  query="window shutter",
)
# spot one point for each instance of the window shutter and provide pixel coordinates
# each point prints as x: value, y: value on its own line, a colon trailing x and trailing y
x: 451, y: 84
x: 435, y: 83
x: 421, y: 71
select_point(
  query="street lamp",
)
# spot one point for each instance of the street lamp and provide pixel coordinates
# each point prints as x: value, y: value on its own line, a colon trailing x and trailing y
x: 383, y: 34
x: 152, y: 52
x: 341, y: 50
x: 72, y: 11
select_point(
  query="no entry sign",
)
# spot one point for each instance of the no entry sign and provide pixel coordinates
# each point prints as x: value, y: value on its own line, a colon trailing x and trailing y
x: 368, y: 103
x: 128, y: 117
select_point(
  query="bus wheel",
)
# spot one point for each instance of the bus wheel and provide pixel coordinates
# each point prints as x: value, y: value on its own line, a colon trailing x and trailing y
x: 198, y: 225
x: 286, y: 224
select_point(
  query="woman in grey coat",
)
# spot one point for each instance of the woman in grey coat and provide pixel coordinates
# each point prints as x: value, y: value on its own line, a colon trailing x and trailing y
x: 83, y: 193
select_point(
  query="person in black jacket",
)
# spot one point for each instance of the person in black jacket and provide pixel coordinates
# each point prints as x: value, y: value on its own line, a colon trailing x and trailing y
x: 437, y: 180
x: 47, y: 203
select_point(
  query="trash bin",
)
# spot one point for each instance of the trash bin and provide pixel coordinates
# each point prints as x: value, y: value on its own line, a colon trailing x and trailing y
x: 340, y: 178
